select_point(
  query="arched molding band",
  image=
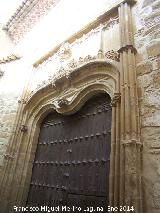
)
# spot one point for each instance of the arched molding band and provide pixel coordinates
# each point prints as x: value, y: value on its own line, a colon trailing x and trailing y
x: 97, y: 75
x: 65, y: 78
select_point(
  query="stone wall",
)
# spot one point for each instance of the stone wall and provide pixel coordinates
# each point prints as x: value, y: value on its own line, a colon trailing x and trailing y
x: 147, y: 40
x: 11, y: 87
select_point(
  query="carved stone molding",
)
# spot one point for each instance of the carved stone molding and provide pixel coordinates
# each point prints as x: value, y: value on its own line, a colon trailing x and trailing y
x: 9, y: 58
x: 71, y: 67
x: 113, y: 55
x: 26, y: 16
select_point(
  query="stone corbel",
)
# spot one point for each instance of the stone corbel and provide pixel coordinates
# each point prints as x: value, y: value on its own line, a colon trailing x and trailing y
x: 116, y: 99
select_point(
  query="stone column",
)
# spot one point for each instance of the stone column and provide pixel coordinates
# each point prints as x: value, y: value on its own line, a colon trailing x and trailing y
x: 130, y: 158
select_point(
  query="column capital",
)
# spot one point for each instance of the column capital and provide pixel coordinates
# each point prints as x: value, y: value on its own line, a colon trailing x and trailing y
x: 126, y: 48
x: 130, y: 2
x: 116, y: 99
x: 131, y: 142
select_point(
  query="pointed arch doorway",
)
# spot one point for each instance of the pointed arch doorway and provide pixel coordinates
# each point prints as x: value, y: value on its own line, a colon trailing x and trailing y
x: 71, y: 165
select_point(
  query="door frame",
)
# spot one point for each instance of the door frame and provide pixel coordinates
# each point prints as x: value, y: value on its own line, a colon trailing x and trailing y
x: 66, y: 95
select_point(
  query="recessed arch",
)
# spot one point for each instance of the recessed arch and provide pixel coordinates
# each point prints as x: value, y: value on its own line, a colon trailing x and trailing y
x: 66, y: 95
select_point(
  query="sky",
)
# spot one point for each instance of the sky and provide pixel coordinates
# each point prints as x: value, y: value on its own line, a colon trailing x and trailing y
x: 7, y: 9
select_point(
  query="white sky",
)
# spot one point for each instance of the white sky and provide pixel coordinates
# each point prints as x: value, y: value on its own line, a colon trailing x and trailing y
x: 7, y: 9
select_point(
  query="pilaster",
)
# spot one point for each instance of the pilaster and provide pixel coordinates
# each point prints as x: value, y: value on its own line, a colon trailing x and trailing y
x: 130, y: 168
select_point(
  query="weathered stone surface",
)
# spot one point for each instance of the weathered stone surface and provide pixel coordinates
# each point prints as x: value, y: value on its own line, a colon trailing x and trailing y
x: 151, y: 141
x: 156, y: 5
x: 144, y: 67
x: 147, y: 38
x: 153, y: 49
x: 147, y: 2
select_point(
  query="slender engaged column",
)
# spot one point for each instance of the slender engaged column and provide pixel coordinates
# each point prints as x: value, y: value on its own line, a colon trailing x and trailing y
x: 130, y: 165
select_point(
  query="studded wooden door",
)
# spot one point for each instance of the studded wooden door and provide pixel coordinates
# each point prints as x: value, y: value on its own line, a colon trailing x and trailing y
x: 71, y: 166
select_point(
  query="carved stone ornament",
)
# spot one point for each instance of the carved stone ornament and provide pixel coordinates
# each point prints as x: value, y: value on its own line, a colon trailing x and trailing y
x: 113, y: 55
x: 72, y: 64
x: 8, y: 156
x: 65, y: 71
x: 89, y: 58
x: 9, y: 58
x: 1, y: 73
x: 24, y: 128
x: 64, y: 51
x: 23, y: 101
x: 116, y: 99
x: 62, y: 103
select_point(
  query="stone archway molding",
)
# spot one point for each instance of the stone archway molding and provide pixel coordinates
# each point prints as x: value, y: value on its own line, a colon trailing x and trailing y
x: 65, y: 95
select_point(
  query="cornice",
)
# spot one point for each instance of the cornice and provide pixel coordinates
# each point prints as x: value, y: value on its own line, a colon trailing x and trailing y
x: 26, y: 16
x: 21, y: 11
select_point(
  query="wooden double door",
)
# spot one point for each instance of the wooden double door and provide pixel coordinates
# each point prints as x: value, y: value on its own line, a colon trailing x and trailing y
x: 71, y: 166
